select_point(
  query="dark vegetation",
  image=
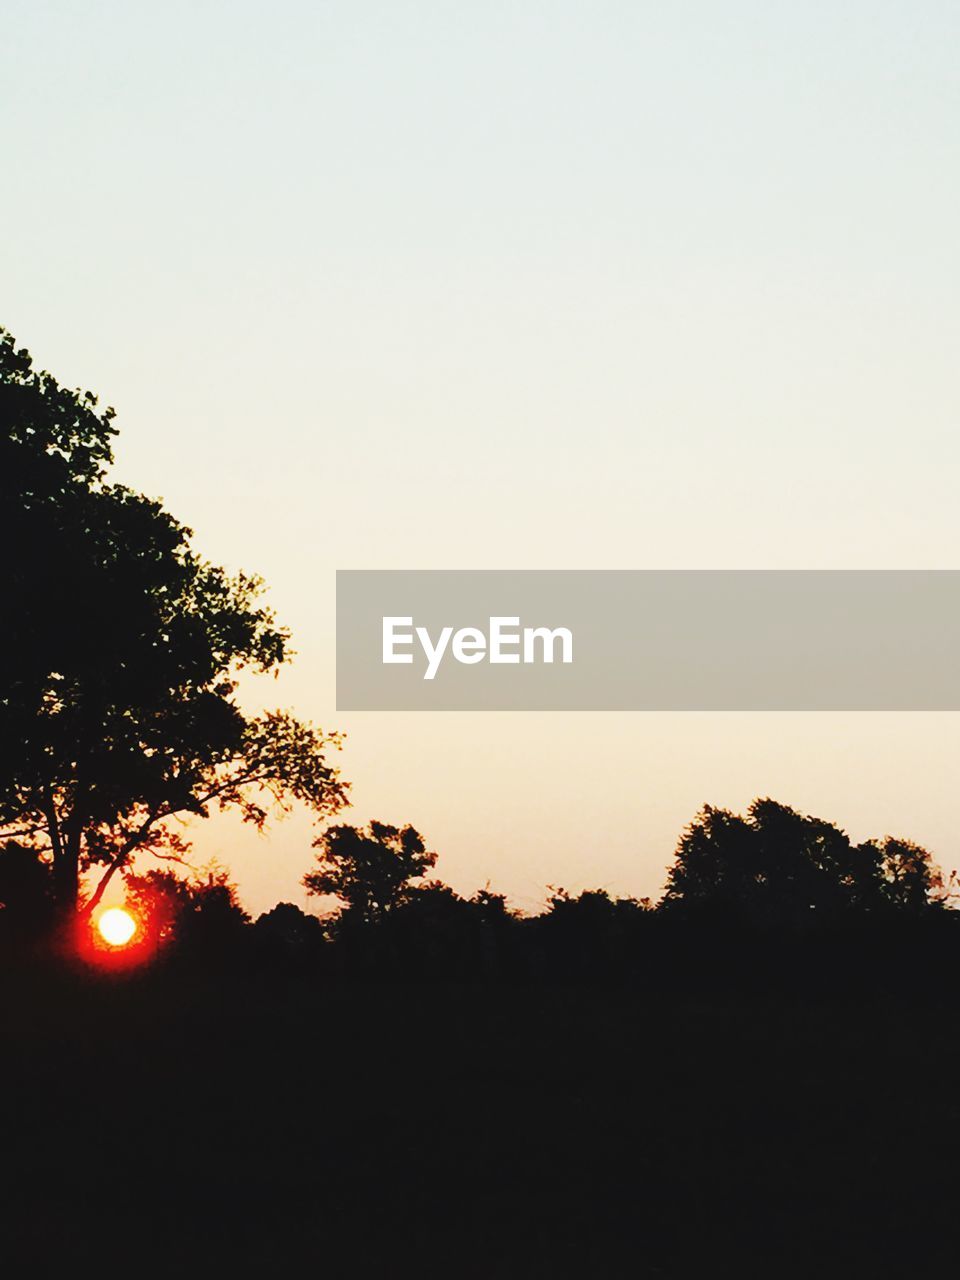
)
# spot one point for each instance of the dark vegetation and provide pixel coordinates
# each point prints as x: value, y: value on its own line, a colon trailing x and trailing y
x: 120, y: 655
x: 754, y: 1077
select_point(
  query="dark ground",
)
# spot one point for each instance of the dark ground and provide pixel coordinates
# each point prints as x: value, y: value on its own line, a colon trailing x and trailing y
x: 215, y: 1125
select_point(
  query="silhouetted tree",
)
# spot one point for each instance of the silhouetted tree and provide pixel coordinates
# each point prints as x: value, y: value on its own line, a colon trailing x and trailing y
x: 492, y: 908
x: 288, y: 930
x: 430, y: 930
x: 910, y: 879
x: 202, y: 908
x: 591, y: 932
x: 120, y: 657
x: 593, y: 905
x: 369, y: 869
x: 778, y: 866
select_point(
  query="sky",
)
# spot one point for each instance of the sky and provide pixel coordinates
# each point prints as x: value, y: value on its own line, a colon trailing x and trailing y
x: 559, y: 285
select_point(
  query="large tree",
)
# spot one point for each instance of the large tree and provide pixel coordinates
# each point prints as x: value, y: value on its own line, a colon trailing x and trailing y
x: 778, y: 866
x: 120, y: 658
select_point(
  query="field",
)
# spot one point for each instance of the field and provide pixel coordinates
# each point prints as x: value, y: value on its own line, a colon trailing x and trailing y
x: 212, y: 1123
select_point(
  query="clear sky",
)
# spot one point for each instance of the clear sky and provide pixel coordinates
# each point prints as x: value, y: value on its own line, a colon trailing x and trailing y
x: 603, y: 284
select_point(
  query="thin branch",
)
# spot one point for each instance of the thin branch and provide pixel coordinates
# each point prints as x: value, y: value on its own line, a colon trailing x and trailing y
x: 101, y: 888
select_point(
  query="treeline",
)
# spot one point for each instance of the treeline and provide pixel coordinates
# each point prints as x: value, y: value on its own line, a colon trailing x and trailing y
x: 121, y: 654
x: 766, y: 898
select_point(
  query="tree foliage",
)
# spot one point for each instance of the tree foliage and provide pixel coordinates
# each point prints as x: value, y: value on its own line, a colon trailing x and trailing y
x: 120, y: 665
x: 370, y: 869
x: 201, y: 907
x: 776, y: 865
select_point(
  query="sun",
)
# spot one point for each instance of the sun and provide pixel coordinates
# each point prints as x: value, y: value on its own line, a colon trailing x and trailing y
x: 117, y: 926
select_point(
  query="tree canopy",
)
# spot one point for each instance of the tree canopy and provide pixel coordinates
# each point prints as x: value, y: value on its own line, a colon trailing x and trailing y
x: 370, y: 869
x: 776, y: 865
x: 121, y: 660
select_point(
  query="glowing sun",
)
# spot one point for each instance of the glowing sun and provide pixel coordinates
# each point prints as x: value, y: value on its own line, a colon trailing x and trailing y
x: 117, y: 926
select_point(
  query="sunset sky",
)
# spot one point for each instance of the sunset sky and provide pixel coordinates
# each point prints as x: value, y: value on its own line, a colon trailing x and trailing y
x: 516, y: 285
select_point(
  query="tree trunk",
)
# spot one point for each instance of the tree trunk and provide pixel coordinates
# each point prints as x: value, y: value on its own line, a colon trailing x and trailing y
x: 66, y: 883
x: 66, y: 860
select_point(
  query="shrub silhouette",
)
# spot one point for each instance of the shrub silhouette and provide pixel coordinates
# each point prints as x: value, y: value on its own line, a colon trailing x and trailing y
x: 201, y: 911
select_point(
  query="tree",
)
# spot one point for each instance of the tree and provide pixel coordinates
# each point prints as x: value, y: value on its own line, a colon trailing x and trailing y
x: 370, y: 869
x: 592, y: 932
x: 492, y: 909
x: 119, y: 669
x: 911, y: 880
x: 287, y: 929
x: 778, y: 866
x: 201, y: 908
